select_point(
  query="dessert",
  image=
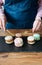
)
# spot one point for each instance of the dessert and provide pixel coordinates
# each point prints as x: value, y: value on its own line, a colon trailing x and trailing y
x: 36, y: 36
x: 9, y: 39
x: 30, y: 40
x: 18, y: 42
x: 18, y: 35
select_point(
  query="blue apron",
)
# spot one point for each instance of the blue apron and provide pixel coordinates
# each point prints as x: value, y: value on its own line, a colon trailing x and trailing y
x: 20, y: 13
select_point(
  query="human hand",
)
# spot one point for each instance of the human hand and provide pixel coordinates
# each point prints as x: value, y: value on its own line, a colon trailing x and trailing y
x: 37, y: 25
x: 2, y: 23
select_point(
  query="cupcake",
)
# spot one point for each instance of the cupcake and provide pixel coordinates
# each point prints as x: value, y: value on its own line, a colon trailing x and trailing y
x: 18, y: 35
x: 30, y: 40
x: 36, y: 36
x: 9, y: 39
x: 18, y: 42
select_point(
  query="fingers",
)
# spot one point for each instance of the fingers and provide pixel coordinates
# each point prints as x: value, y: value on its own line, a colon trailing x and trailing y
x: 36, y: 26
x: 2, y: 25
x: 40, y: 27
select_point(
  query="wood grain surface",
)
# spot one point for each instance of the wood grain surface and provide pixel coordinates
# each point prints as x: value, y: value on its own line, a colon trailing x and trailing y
x: 24, y: 32
x: 20, y: 58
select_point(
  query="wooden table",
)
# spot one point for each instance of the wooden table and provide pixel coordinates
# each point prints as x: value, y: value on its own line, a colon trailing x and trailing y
x: 21, y: 58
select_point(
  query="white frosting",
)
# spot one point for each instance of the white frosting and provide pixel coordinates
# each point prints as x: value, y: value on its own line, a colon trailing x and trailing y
x: 18, y: 42
x: 8, y: 38
x: 30, y: 38
x: 18, y: 45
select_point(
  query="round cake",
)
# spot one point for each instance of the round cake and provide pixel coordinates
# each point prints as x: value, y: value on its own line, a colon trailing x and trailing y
x: 30, y: 40
x: 9, y: 39
x: 18, y: 35
x: 18, y: 42
x: 36, y: 36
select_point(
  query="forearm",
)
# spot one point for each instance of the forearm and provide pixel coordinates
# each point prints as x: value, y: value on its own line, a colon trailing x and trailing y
x: 39, y: 13
x: 2, y: 15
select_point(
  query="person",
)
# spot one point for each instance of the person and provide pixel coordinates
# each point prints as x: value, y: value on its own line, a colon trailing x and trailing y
x: 22, y: 14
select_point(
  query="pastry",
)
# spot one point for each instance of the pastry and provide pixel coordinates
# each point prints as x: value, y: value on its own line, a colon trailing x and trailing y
x: 30, y: 40
x: 36, y: 36
x: 18, y: 35
x: 9, y: 39
x: 18, y: 42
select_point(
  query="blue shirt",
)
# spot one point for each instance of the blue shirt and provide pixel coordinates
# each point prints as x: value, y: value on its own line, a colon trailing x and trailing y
x: 21, y: 13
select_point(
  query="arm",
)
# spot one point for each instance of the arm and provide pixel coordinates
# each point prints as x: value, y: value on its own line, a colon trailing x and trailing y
x: 2, y: 16
x: 1, y: 9
x: 1, y: 2
x: 37, y: 25
x: 39, y: 13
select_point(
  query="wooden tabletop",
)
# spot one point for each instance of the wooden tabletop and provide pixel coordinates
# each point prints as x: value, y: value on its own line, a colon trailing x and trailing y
x: 20, y: 58
x: 24, y: 32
